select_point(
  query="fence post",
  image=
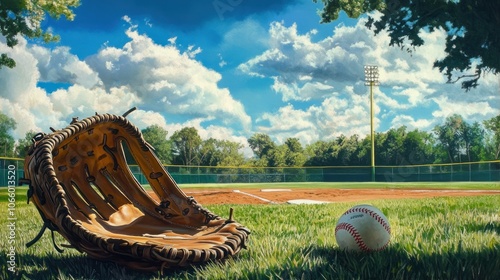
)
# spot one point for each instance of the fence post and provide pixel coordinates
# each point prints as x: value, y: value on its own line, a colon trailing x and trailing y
x: 451, y: 173
x: 470, y: 172
x: 418, y: 173
x: 430, y: 171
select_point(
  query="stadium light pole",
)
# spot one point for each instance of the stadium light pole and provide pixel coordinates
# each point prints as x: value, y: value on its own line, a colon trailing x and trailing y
x: 371, y: 79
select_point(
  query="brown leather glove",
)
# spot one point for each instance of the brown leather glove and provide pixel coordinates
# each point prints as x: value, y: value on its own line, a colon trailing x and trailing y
x: 80, y: 181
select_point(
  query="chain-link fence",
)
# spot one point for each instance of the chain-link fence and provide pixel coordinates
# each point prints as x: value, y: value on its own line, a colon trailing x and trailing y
x: 11, y: 170
x: 476, y: 171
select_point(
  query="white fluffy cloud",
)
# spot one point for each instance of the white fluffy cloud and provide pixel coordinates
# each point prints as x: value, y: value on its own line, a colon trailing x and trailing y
x: 321, y: 84
x: 61, y: 66
x: 166, y: 79
x: 20, y: 98
x: 160, y: 80
x: 327, y: 120
x: 303, y: 69
x: 411, y: 123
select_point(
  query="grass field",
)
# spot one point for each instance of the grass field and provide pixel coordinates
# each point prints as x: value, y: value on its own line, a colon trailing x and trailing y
x: 438, y: 238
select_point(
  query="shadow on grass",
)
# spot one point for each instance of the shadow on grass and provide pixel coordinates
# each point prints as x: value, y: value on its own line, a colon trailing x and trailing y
x: 492, y: 226
x: 392, y: 263
x: 79, y: 267
x: 329, y: 263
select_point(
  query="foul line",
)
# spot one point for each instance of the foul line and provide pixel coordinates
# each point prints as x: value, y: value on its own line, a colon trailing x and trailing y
x: 255, y: 196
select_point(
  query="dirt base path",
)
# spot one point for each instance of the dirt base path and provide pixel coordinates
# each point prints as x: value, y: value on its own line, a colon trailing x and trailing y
x: 209, y: 196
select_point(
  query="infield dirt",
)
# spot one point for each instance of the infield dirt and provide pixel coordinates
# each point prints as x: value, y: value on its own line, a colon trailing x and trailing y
x: 207, y: 196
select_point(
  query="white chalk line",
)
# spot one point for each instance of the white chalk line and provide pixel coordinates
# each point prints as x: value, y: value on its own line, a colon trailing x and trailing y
x: 217, y: 191
x: 255, y: 196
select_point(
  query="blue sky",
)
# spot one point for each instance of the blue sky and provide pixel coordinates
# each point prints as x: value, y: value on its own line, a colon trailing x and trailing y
x: 231, y: 68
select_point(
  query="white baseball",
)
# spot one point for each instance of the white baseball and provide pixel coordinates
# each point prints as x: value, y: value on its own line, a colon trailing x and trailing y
x: 363, y: 228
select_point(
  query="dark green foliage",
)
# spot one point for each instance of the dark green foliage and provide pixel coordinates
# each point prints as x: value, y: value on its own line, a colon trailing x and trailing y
x: 24, y: 18
x: 454, y: 141
x: 472, y: 42
x: 6, y: 140
x: 157, y: 137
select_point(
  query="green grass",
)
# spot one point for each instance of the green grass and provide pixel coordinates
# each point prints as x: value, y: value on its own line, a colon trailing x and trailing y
x: 438, y: 238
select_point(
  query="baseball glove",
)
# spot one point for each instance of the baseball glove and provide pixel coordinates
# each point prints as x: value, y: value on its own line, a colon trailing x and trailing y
x: 80, y: 181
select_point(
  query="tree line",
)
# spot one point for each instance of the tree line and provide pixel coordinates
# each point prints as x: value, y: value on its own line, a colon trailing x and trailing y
x: 454, y: 141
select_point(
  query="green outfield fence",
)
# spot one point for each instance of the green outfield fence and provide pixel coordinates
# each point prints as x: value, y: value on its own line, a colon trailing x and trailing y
x: 12, y: 168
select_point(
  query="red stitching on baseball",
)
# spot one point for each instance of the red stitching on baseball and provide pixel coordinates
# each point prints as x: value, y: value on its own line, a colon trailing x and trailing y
x: 354, y: 233
x: 374, y: 215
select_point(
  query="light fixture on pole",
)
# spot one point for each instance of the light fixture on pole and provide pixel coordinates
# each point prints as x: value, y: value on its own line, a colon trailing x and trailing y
x: 371, y: 79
